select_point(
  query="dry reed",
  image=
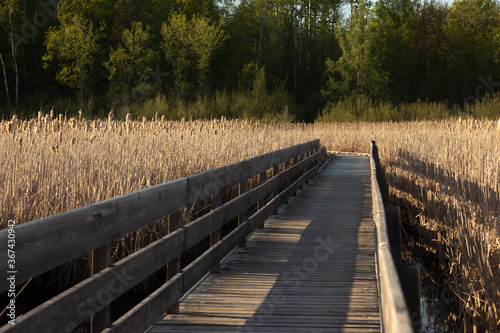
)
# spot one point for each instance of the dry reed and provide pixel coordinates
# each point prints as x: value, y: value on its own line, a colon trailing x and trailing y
x: 448, y: 171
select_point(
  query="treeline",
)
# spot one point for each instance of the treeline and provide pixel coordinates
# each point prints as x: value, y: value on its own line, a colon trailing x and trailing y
x: 276, y: 59
x: 405, y: 51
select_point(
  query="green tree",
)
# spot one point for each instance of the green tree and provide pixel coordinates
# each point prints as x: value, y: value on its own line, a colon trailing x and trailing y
x: 131, y: 60
x: 356, y: 72
x: 393, y: 44
x: 433, y: 79
x: 472, y: 30
x: 10, y: 13
x: 6, y: 83
x: 177, y: 48
x: 206, y: 38
x: 74, y: 44
x: 189, y: 45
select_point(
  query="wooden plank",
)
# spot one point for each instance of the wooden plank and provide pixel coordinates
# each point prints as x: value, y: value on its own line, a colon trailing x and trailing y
x: 243, y: 215
x: 175, y: 221
x: 201, y: 186
x: 139, y: 319
x: 200, y: 266
x: 215, y: 236
x: 196, y: 270
x: 99, y: 259
x: 262, y: 180
x: 237, y: 328
x: 141, y: 264
x: 394, y: 232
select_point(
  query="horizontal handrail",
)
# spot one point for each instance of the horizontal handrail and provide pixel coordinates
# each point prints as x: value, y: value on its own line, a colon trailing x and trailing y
x: 394, y: 312
x: 76, y: 304
x: 65, y: 236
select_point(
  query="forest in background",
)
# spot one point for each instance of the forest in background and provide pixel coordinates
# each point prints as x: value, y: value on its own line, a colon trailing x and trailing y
x: 279, y: 60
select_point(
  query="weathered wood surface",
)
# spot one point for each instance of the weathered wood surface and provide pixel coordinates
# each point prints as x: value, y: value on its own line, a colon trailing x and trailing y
x: 312, y: 269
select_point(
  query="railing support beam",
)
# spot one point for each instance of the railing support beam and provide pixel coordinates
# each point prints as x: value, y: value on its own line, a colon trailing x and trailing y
x: 174, y: 267
x: 262, y: 180
x: 393, y: 216
x: 99, y: 259
x: 243, y: 216
x: 215, y: 236
x: 409, y: 276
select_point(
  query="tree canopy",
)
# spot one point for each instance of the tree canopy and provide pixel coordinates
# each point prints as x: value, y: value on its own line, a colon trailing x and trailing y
x: 128, y: 54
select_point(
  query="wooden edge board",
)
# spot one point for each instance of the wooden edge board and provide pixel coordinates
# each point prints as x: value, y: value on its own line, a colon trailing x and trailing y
x: 393, y: 310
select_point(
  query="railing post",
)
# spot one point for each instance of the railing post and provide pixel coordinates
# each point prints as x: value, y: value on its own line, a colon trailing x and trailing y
x: 276, y: 170
x: 304, y: 170
x: 216, y: 235
x: 409, y: 277
x: 99, y: 259
x: 384, y: 188
x: 393, y: 217
x: 308, y: 166
x: 297, y: 160
x: 288, y: 164
x: 303, y: 157
x: 174, y: 267
x: 243, y: 216
x: 262, y: 180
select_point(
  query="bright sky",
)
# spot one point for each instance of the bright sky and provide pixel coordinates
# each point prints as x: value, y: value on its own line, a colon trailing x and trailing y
x: 345, y: 8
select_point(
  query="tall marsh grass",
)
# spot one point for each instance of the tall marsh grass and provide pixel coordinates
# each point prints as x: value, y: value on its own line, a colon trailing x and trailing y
x: 446, y: 172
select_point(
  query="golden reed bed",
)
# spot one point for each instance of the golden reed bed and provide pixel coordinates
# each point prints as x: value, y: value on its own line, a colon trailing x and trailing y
x: 447, y: 173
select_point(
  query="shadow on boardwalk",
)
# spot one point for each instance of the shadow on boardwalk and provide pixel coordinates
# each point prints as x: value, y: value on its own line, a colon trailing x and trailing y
x: 312, y: 269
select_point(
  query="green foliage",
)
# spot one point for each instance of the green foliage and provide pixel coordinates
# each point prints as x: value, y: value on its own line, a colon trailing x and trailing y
x: 257, y: 103
x: 393, y: 46
x: 189, y: 47
x: 10, y: 20
x: 363, y: 108
x: 488, y: 108
x: 356, y: 72
x: 205, y: 39
x: 247, y: 76
x: 404, y: 51
x: 472, y: 28
x: 177, y: 48
x: 74, y: 44
x: 157, y: 105
x: 214, y: 55
x: 131, y: 61
x: 432, y: 79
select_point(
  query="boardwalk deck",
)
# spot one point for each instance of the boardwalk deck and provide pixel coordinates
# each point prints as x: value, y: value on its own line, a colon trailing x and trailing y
x: 312, y: 269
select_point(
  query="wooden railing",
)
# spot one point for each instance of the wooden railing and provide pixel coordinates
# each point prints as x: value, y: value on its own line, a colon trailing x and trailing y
x: 44, y: 244
x: 399, y: 284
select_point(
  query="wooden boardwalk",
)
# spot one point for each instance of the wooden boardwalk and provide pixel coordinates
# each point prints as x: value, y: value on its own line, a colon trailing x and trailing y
x: 312, y: 269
